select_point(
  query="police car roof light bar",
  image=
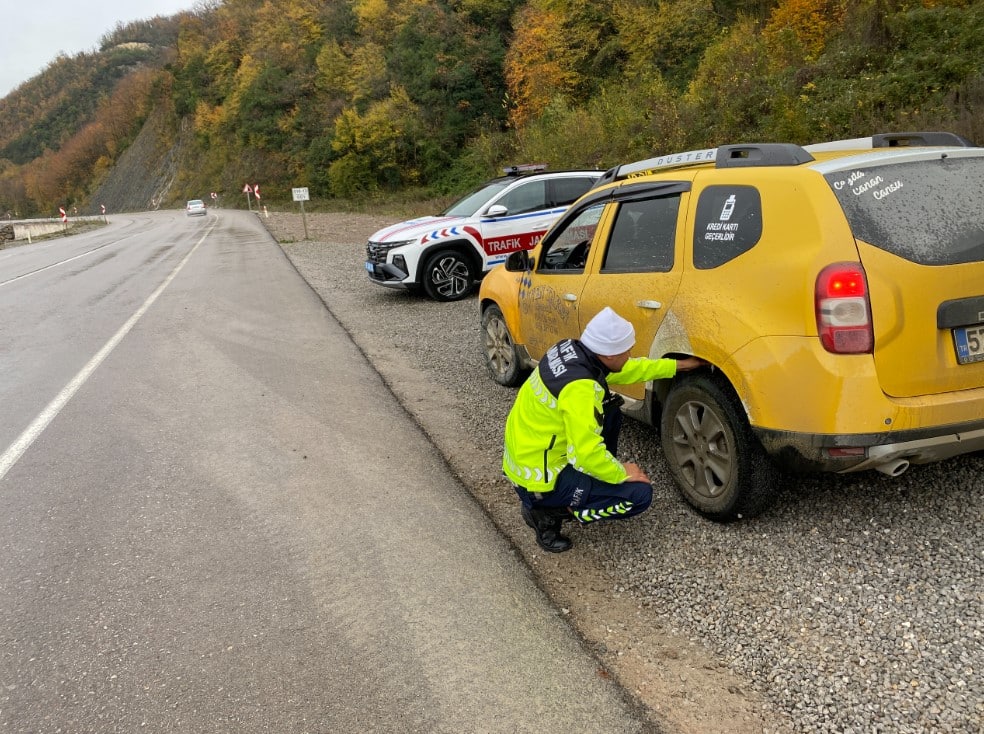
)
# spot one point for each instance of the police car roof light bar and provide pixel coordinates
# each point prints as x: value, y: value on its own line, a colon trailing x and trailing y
x: 524, y: 168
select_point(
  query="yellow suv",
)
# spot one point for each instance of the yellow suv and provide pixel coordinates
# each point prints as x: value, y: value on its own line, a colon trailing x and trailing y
x: 837, y: 291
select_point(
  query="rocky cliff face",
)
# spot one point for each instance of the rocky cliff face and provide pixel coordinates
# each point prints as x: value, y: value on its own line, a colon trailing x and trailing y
x: 144, y: 176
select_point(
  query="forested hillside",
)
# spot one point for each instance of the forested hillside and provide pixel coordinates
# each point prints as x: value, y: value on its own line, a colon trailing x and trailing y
x: 354, y: 98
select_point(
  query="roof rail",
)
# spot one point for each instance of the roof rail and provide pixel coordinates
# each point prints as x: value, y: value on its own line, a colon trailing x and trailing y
x: 726, y: 156
x: 650, y: 165
x: 894, y: 140
x: 761, y: 154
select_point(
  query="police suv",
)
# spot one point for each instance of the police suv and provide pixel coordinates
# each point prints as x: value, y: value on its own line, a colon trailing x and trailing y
x: 445, y: 255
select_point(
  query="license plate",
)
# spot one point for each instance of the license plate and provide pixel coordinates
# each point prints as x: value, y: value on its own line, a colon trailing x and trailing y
x: 370, y: 267
x: 969, y: 342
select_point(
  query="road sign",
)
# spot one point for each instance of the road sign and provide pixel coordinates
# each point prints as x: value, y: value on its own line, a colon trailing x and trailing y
x: 301, y: 194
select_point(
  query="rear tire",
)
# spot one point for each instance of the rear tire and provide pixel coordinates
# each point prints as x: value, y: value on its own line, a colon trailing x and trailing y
x: 448, y: 276
x: 501, y: 358
x: 717, y: 462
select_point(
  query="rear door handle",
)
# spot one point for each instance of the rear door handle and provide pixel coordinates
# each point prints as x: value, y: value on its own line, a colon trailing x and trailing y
x: 649, y: 304
x: 569, y: 297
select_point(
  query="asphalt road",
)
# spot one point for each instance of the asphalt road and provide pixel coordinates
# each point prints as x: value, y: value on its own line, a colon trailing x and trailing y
x: 216, y: 517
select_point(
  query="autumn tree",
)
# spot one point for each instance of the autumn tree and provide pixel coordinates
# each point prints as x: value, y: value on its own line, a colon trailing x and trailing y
x: 658, y: 36
x: 378, y: 149
x: 730, y: 98
x: 540, y: 64
x: 798, y: 30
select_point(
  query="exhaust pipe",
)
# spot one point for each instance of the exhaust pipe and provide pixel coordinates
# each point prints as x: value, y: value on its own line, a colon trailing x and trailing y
x: 894, y: 468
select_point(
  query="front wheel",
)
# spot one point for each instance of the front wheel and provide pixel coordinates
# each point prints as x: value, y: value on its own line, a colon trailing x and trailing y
x: 718, y: 464
x: 501, y: 357
x: 448, y: 276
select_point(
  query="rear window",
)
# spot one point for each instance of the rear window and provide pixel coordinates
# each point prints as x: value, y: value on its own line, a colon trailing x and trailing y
x: 929, y: 212
x: 568, y: 190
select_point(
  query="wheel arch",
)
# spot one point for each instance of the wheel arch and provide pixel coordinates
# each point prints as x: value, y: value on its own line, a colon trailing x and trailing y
x: 661, y: 388
x: 465, y: 247
x: 757, y: 482
x: 486, y: 301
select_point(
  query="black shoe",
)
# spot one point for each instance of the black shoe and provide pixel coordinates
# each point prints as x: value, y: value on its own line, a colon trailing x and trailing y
x: 546, y: 524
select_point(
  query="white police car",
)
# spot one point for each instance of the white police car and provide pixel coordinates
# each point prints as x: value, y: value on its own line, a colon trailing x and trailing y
x: 445, y: 255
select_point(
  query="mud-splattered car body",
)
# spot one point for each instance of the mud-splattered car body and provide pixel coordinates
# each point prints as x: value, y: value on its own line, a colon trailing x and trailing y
x: 837, y: 290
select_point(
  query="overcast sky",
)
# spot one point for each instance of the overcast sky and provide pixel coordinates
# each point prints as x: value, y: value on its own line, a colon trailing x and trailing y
x: 35, y: 32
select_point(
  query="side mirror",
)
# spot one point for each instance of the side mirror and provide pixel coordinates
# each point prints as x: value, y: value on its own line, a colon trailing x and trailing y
x: 497, y: 211
x: 519, y: 262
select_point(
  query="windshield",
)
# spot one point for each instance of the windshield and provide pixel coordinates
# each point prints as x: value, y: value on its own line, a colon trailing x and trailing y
x: 470, y: 205
x: 929, y: 212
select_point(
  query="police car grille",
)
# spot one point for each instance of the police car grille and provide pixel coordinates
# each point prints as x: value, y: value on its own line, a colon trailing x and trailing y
x: 376, y: 253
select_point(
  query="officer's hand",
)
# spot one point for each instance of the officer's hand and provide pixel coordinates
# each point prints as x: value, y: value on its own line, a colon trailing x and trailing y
x: 635, y: 473
x: 690, y: 363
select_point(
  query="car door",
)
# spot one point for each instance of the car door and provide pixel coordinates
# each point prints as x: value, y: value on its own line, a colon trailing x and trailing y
x: 549, y: 293
x: 637, y: 269
x: 528, y: 215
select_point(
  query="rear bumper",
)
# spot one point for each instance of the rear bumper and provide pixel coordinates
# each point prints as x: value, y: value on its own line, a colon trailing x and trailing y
x: 889, y: 452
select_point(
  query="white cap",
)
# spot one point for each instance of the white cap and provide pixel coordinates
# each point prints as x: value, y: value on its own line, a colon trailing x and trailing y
x: 608, y: 334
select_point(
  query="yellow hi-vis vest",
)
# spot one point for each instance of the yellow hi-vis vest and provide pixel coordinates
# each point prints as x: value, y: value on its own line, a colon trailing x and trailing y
x: 558, y: 414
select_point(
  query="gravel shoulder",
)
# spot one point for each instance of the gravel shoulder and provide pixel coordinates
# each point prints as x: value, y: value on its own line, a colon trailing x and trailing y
x: 854, y: 605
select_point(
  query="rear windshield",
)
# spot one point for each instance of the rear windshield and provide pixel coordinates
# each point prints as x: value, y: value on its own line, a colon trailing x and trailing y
x: 929, y: 212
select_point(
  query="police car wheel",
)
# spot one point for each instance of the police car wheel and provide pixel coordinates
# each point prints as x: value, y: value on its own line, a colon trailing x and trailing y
x: 718, y: 464
x: 447, y: 276
x: 501, y: 358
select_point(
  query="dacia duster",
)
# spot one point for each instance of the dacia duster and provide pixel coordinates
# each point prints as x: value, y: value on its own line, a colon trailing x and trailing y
x: 837, y: 291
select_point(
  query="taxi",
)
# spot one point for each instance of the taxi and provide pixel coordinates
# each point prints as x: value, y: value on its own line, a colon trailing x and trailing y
x: 836, y: 290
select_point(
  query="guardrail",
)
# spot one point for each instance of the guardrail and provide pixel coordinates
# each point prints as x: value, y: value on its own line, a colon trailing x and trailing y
x: 28, y: 229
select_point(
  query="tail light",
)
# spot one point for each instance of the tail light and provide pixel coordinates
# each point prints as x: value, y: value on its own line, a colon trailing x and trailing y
x: 843, y: 309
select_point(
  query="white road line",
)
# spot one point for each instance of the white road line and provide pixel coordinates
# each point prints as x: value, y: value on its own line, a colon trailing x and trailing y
x: 10, y: 457
x: 54, y: 265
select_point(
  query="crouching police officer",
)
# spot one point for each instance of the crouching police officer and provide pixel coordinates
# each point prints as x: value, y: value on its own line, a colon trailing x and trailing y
x: 561, y: 435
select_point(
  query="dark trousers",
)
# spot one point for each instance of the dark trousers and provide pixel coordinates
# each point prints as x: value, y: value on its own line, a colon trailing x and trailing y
x: 591, y: 499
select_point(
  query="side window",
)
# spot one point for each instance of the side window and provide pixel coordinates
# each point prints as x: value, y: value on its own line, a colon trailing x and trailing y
x: 527, y: 197
x: 729, y: 223
x: 568, y: 247
x: 565, y: 191
x: 644, y: 236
